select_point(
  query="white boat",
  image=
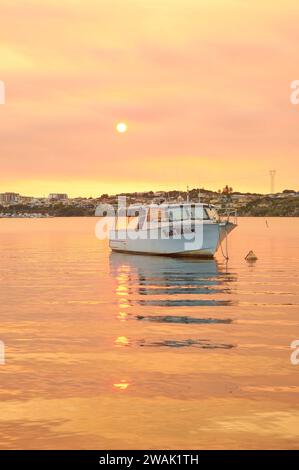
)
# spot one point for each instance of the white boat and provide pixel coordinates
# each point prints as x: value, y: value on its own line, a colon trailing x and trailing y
x: 186, y: 229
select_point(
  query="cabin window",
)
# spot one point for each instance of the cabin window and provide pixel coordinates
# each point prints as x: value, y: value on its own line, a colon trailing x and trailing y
x: 155, y: 214
x: 199, y: 213
x: 187, y: 213
x: 136, y: 218
x: 175, y: 214
x: 152, y: 214
x: 213, y: 213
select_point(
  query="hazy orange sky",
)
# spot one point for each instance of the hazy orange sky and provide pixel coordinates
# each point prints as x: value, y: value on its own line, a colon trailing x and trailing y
x: 204, y: 86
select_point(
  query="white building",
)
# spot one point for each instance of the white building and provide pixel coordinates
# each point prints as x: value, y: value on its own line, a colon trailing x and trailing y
x: 9, y: 198
x: 57, y: 197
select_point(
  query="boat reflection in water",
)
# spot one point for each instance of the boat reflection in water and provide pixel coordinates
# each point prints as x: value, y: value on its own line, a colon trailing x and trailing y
x: 172, y: 291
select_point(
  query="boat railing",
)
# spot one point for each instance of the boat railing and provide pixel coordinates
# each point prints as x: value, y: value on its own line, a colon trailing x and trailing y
x: 228, y: 215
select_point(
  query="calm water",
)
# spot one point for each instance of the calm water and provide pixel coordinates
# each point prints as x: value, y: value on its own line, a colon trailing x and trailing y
x: 118, y: 351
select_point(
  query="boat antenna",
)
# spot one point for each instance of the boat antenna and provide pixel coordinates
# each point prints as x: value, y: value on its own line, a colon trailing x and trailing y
x: 188, y: 194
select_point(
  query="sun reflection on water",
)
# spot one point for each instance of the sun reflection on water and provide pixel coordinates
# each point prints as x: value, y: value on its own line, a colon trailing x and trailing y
x: 121, y: 341
x: 122, y: 385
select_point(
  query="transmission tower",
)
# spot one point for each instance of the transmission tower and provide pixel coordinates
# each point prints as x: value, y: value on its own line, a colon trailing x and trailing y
x: 272, y: 178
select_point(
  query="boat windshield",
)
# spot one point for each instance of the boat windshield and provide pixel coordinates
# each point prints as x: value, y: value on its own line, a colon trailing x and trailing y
x: 188, y: 213
x: 177, y: 213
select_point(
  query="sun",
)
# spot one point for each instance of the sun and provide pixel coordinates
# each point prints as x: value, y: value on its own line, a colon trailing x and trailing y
x: 121, y: 127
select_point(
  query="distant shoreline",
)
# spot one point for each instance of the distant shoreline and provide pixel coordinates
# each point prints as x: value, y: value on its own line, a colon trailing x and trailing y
x: 97, y: 217
x: 285, y: 204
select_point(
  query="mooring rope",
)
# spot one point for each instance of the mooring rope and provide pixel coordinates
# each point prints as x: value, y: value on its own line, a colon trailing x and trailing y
x: 225, y: 256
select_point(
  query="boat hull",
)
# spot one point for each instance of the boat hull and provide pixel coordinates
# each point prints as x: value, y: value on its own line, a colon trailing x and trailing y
x: 206, y: 247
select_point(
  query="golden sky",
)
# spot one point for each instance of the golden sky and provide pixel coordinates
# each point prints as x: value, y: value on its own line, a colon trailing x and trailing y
x: 204, y: 86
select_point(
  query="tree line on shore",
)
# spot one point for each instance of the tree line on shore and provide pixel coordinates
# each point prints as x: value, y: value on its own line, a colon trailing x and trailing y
x: 258, y: 207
